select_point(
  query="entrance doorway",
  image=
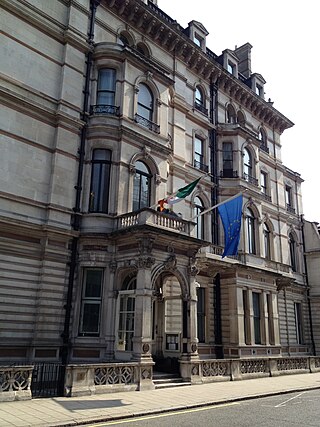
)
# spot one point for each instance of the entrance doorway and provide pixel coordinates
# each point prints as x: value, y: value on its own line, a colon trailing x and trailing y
x: 167, y: 325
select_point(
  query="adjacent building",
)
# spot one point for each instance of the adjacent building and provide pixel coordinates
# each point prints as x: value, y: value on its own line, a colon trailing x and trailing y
x: 107, y: 107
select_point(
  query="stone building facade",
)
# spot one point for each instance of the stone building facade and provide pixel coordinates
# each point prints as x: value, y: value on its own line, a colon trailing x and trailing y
x: 107, y: 107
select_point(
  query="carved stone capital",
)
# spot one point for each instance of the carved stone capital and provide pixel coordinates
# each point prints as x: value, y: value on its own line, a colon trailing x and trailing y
x: 145, y: 262
x: 113, y: 266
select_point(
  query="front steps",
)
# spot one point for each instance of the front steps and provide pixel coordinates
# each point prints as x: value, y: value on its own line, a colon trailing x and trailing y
x: 167, y: 380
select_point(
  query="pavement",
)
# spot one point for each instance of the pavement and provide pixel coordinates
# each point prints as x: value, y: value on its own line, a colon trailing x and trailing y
x: 74, y: 411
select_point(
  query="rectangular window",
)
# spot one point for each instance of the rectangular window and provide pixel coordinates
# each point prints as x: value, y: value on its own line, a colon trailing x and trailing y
x: 199, y: 155
x: 201, y: 314
x: 288, y: 196
x: 256, y: 317
x: 259, y: 90
x: 263, y: 182
x: 106, y: 87
x: 100, y: 181
x: 197, y: 40
x: 231, y: 68
x: 270, y: 319
x: 298, y: 322
x: 245, y: 316
x: 126, y: 322
x: 227, y: 160
x: 91, y: 302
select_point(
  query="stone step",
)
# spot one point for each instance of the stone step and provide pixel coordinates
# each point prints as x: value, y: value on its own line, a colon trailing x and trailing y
x: 168, y: 381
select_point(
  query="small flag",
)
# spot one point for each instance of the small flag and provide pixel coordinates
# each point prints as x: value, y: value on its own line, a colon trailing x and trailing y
x: 181, y: 193
x: 230, y: 213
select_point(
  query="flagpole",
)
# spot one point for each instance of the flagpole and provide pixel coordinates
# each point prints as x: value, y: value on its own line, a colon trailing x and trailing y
x: 217, y: 205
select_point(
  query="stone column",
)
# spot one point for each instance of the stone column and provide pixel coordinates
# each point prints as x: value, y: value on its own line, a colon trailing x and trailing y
x: 109, y: 317
x: 143, y: 312
x: 275, y: 318
x: 241, y: 316
x: 251, y: 319
x: 189, y: 360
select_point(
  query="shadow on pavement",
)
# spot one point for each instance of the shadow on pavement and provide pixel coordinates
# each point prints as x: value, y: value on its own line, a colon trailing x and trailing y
x: 85, y: 405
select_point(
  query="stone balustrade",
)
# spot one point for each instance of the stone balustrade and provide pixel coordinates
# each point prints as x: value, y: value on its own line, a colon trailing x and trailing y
x: 154, y: 218
x: 238, y: 369
x: 15, y: 383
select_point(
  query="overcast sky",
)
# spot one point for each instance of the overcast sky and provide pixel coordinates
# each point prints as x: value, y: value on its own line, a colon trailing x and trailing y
x: 285, y: 38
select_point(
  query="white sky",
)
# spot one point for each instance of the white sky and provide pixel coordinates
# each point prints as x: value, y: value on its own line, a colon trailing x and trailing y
x: 285, y: 37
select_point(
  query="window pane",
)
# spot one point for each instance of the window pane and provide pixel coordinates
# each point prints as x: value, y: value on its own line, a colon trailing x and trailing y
x: 107, y: 79
x: 100, y: 181
x: 256, y: 317
x: 145, y: 102
x: 91, y: 318
x: 201, y: 314
x: 93, y: 284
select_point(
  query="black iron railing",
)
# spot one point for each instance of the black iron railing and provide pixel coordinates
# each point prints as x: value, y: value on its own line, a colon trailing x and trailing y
x: 111, y: 110
x: 147, y: 123
x: 229, y: 173
x: 290, y: 209
x: 201, y: 108
x: 201, y: 166
x: 264, y: 148
x: 266, y: 196
x: 250, y: 179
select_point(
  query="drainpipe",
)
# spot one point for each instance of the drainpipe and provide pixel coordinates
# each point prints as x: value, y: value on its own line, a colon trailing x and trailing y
x: 215, y: 226
x: 308, y: 289
x: 76, y: 217
x: 214, y: 159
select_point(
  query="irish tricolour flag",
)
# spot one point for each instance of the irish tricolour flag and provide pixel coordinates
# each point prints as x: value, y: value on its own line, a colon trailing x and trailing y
x: 181, y: 194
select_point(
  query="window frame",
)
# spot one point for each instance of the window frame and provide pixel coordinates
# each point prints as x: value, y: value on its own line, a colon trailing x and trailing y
x: 138, y: 203
x: 199, y: 220
x: 267, y: 241
x: 201, y: 314
x: 143, y: 107
x: 108, y: 89
x: 128, y: 292
x: 227, y: 172
x: 251, y: 231
x: 298, y: 317
x: 293, y: 252
x: 90, y: 300
x: 256, y: 310
x: 101, y: 168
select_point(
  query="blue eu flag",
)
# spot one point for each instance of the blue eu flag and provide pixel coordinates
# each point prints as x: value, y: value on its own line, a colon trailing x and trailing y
x: 230, y: 213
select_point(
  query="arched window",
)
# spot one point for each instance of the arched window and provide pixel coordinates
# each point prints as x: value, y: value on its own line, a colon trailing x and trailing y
x: 231, y: 114
x: 100, y: 181
x: 145, y: 102
x: 199, y: 96
x: 247, y: 164
x: 263, y: 140
x: 126, y: 313
x: 106, y: 87
x: 141, y: 186
x: 125, y: 39
x: 198, y: 208
x: 292, y: 250
x: 240, y: 118
x: 141, y: 48
x: 267, y: 242
x: 250, y: 225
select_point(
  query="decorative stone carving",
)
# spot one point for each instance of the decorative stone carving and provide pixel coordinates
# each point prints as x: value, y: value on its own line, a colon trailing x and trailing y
x: 283, y: 282
x: 215, y: 369
x: 287, y: 364
x: 114, y: 375
x: 113, y: 266
x: 195, y: 370
x: 145, y: 348
x: 145, y: 245
x: 170, y: 263
x: 146, y: 374
x: 253, y: 366
x: 145, y: 262
x: 194, y: 347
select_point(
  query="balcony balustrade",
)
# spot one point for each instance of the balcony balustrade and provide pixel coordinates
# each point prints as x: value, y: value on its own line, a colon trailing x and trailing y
x: 201, y: 108
x: 264, y: 148
x: 250, y: 179
x: 148, y: 216
x: 111, y: 110
x: 147, y: 123
x: 290, y: 209
x: 229, y: 173
x: 201, y: 166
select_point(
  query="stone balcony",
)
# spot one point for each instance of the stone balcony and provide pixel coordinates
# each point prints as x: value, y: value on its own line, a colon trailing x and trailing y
x: 147, y: 216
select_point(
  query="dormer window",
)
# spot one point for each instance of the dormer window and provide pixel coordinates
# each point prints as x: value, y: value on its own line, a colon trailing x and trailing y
x: 198, y: 40
x: 231, y: 68
x: 259, y: 90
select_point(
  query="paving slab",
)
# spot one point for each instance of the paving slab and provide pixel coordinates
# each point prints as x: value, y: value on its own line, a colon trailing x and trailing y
x: 75, y: 411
